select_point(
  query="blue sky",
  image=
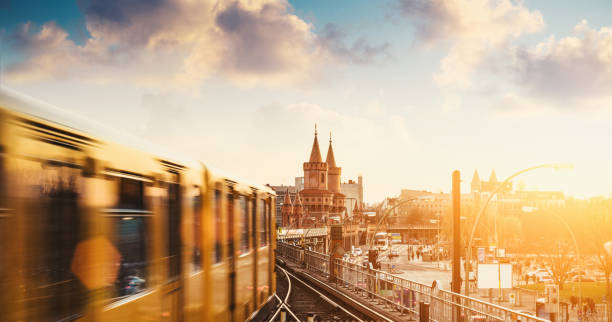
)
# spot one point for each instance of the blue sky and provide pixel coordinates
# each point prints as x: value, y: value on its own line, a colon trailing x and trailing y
x: 411, y: 89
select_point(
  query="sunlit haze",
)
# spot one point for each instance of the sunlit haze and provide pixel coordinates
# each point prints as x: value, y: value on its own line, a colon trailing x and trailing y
x: 410, y: 90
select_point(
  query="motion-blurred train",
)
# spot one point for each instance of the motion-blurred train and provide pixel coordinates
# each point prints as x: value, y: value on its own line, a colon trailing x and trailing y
x: 96, y: 226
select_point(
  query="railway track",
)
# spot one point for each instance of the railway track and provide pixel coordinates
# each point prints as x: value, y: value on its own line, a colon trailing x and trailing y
x: 301, y: 301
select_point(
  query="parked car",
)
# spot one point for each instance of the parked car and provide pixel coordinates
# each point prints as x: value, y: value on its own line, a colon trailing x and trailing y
x: 576, y: 271
x: 582, y: 278
x: 541, y: 274
x: 394, y: 253
x: 357, y: 251
x: 546, y: 279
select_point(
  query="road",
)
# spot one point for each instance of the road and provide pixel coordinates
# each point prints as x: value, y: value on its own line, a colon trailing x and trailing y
x: 416, y: 270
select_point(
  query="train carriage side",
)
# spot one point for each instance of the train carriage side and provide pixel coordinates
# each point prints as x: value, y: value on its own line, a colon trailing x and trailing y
x: 238, y: 225
x: 95, y: 230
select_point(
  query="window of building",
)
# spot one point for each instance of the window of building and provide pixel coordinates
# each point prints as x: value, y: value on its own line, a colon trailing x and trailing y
x: 197, y: 232
x: 262, y: 224
x: 244, y: 225
x: 218, y: 225
x: 322, y: 177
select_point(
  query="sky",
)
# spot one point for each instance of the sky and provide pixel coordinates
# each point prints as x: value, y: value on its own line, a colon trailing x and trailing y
x: 409, y: 89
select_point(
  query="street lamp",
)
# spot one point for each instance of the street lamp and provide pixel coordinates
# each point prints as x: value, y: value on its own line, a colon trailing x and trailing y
x: 468, y: 254
x: 385, y: 214
x: 438, y: 243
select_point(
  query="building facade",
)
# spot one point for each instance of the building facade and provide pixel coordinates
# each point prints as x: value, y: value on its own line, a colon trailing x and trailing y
x: 317, y: 198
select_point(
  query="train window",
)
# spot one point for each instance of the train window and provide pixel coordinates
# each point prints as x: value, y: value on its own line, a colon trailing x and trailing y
x: 267, y: 230
x: 218, y: 225
x: 55, y: 227
x: 230, y: 225
x: 262, y: 224
x: 174, y: 230
x: 197, y: 232
x: 244, y: 225
x: 254, y: 221
x: 129, y: 232
x: 130, y: 241
x: 131, y: 194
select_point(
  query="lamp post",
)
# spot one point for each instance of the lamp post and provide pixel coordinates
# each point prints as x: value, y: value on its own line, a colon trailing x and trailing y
x: 437, y: 249
x: 384, y: 215
x: 468, y: 254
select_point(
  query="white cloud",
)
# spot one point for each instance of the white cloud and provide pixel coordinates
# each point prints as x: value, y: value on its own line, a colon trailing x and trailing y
x: 574, y: 71
x: 473, y: 28
x: 181, y: 43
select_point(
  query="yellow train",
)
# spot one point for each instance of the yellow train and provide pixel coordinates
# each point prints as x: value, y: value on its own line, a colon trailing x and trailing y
x: 99, y: 226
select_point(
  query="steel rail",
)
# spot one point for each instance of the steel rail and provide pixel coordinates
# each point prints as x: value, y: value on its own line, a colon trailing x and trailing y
x: 327, y: 299
x: 283, y: 303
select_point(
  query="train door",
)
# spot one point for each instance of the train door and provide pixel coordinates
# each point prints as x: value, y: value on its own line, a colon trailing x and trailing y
x: 6, y: 242
x: 231, y: 258
x: 173, y: 290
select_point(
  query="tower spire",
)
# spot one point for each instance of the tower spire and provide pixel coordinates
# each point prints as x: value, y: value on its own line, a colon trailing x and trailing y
x: 493, y: 178
x: 315, y: 154
x: 330, y: 160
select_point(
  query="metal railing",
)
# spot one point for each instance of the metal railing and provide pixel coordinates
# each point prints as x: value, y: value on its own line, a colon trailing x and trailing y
x: 290, y: 252
x: 400, y: 294
x: 299, y: 233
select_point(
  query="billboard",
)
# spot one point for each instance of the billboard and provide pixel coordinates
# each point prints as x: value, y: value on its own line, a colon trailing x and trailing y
x: 494, y: 275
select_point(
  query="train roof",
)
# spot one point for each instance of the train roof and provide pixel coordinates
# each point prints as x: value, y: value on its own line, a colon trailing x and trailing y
x: 221, y: 174
x: 24, y: 104
x: 21, y: 103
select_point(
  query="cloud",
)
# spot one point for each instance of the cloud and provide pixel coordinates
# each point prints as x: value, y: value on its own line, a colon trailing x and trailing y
x: 473, y: 29
x: 361, y: 51
x: 181, y: 43
x: 571, y: 71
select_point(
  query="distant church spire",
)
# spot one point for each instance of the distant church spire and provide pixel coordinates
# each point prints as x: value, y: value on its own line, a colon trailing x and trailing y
x: 475, y: 178
x: 315, y: 154
x: 330, y: 160
x: 493, y: 178
x: 287, y: 200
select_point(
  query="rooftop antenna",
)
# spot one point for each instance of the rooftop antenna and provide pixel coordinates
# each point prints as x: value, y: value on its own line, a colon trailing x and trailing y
x: 315, y: 128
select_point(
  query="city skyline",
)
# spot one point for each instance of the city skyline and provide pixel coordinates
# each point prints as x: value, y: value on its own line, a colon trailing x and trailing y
x: 411, y: 90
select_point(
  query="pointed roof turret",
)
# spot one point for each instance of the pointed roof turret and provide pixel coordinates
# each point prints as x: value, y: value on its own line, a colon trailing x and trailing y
x: 315, y: 154
x: 298, y: 200
x: 475, y: 178
x: 356, y: 207
x: 493, y: 177
x: 330, y: 160
x: 287, y: 200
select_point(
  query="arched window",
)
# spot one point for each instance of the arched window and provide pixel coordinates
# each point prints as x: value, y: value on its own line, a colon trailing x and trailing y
x: 322, y: 177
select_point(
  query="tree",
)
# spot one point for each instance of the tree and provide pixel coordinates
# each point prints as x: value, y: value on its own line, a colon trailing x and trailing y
x: 561, y: 262
x: 600, y: 232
